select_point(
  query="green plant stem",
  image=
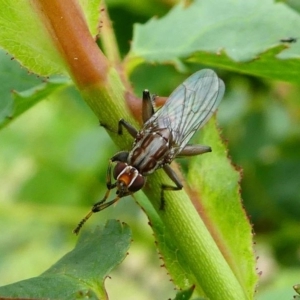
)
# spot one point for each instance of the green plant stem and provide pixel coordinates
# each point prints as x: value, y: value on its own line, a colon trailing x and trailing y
x: 69, y: 32
x: 103, y: 90
x: 209, y: 269
x: 108, y: 38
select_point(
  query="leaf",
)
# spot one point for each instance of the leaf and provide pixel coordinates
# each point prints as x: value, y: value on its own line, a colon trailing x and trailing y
x: 216, y: 183
x: 23, y: 33
x: 81, y: 272
x: 224, y: 34
x: 20, y: 91
x: 91, y: 10
x: 296, y: 287
x: 185, y: 295
x: 267, y: 65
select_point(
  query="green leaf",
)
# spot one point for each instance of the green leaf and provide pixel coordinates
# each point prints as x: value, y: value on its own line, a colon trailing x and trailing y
x: 296, y: 287
x: 81, y: 272
x: 24, y: 34
x: 267, y: 65
x: 185, y: 295
x: 91, y: 10
x: 224, y: 34
x: 215, y: 185
x: 20, y: 91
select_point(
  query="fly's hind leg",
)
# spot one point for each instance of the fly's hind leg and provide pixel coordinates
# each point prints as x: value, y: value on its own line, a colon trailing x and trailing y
x: 192, y: 150
x: 147, y: 108
x: 173, y: 176
x: 188, y: 150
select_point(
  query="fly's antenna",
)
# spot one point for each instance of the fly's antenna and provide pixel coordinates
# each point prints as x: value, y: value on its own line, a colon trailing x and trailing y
x: 81, y: 223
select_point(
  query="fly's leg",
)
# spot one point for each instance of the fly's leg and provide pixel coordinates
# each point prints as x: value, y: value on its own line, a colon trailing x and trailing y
x: 107, y: 127
x: 147, y: 109
x: 131, y: 130
x: 97, y: 206
x: 121, y: 156
x: 147, y: 112
x: 150, y: 103
x: 102, y: 204
x: 122, y: 123
x: 188, y: 150
x: 173, y: 176
x: 191, y: 150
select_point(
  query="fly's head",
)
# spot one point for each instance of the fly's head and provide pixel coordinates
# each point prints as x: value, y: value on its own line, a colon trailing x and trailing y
x: 128, y: 178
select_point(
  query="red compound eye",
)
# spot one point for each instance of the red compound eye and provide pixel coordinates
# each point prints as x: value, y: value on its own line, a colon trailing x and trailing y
x: 120, y: 166
x: 137, y: 184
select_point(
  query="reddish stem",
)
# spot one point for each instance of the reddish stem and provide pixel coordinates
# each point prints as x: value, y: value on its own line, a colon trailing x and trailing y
x: 69, y: 31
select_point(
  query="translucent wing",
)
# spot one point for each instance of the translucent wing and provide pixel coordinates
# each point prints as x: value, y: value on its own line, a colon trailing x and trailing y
x: 190, y: 106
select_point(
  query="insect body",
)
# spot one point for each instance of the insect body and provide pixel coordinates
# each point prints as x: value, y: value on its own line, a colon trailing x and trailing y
x: 289, y: 40
x: 164, y: 136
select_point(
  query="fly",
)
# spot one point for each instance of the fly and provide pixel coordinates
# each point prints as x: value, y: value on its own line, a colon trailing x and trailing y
x: 289, y: 40
x: 163, y: 137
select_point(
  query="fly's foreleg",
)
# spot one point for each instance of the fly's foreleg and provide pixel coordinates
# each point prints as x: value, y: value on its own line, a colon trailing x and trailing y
x: 97, y: 206
x: 173, y: 176
x: 109, y: 186
x: 121, y: 156
x: 103, y: 205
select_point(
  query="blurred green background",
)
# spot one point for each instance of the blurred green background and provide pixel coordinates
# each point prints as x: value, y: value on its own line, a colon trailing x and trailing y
x: 53, y: 162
